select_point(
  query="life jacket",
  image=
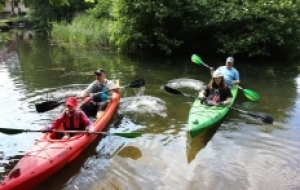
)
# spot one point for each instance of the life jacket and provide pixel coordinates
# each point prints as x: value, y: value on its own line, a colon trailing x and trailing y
x: 100, y: 88
x: 73, y: 121
x: 214, y: 95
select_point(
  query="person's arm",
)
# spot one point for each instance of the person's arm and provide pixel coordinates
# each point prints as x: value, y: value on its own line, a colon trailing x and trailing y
x: 202, y: 94
x: 226, y: 102
x: 87, y: 123
x: 236, y: 78
x: 212, y: 70
x: 228, y: 99
x: 56, y: 123
x: 86, y: 91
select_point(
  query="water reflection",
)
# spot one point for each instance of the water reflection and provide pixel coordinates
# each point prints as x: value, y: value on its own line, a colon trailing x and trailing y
x: 130, y: 152
x: 165, y: 157
x: 194, y: 145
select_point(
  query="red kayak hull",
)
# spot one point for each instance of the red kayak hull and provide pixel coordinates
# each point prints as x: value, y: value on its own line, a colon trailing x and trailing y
x: 49, y: 155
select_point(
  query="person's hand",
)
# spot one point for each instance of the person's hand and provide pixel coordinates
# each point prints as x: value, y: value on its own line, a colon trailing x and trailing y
x: 46, y: 129
x: 234, y: 82
x: 88, y: 131
x: 212, y: 103
x: 81, y: 98
x: 203, y: 100
x: 66, y: 136
x: 222, y: 104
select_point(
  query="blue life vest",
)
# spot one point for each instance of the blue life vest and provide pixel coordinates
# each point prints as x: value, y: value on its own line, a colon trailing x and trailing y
x: 100, y: 88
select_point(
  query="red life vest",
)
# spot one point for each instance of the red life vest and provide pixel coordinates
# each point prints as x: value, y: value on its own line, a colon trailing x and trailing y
x: 73, y: 121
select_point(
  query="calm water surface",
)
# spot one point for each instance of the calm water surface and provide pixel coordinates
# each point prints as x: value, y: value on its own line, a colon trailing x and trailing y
x: 239, y: 153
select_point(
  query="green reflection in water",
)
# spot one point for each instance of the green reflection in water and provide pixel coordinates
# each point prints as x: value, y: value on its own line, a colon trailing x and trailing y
x: 44, y: 66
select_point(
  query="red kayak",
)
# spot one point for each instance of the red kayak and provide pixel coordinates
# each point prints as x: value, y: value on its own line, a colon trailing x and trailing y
x: 49, y: 155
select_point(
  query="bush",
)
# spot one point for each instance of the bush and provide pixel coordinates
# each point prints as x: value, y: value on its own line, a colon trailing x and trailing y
x: 252, y: 28
x: 261, y: 28
x: 85, y: 31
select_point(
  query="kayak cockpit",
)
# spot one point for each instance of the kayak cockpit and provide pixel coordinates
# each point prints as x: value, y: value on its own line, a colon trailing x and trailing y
x: 56, y: 137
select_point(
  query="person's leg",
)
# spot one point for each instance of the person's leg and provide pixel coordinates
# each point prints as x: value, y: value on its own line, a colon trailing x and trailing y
x: 101, y: 109
x: 89, y: 109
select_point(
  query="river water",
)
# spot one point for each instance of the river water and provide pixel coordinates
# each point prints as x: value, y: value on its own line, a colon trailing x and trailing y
x: 239, y: 153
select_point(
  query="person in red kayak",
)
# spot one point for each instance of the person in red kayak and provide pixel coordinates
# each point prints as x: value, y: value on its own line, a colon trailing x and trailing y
x: 216, y: 92
x: 72, y: 119
x: 100, y: 90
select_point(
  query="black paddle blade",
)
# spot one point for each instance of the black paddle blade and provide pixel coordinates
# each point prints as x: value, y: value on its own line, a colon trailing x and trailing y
x: 9, y: 131
x: 264, y: 118
x: 171, y: 90
x: 46, y: 106
x: 137, y: 83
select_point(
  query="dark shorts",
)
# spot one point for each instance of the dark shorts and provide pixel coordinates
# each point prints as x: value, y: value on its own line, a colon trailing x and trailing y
x: 91, y: 109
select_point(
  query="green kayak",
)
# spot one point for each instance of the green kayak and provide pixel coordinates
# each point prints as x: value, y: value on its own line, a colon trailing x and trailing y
x: 201, y: 117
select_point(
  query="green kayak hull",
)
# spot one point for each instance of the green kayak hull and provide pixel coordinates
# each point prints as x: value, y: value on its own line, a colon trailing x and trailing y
x: 202, y: 117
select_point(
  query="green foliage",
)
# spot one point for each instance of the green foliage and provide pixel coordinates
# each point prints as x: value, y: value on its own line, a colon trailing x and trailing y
x: 260, y: 28
x: 248, y: 27
x: 43, y: 13
x: 102, y: 10
x: 163, y: 25
x: 18, y: 19
x: 270, y: 71
x: 84, y: 32
x: 4, y: 39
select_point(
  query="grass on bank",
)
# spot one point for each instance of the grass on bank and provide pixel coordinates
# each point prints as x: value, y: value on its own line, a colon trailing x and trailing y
x: 85, y: 31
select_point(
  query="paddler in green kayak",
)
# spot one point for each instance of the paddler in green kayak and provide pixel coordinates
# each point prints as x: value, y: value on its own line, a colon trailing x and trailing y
x: 230, y: 74
x: 216, y: 92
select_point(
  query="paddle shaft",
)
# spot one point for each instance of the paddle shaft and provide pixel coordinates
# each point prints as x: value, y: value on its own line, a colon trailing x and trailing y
x: 12, y: 131
x: 121, y: 87
x: 64, y: 131
x: 88, y: 132
x: 204, y: 64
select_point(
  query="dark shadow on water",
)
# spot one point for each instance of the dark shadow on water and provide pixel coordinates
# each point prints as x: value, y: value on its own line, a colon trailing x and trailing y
x: 196, y: 144
x: 130, y: 152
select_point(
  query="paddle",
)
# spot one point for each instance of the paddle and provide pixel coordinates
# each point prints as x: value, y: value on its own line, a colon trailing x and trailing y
x: 10, y: 131
x: 251, y: 95
x: 49, y: 105
x: 263, y: 117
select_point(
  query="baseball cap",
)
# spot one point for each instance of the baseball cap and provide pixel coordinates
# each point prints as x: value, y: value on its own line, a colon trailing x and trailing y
x: 71, y: 101
x: 230, y: 59
x: 99, y: 72
x: 217, y: 74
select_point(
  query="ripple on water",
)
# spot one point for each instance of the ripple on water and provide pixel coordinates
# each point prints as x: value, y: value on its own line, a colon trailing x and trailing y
x: 143, y: 105
x: 251, y: 159
x: 131, y: 164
